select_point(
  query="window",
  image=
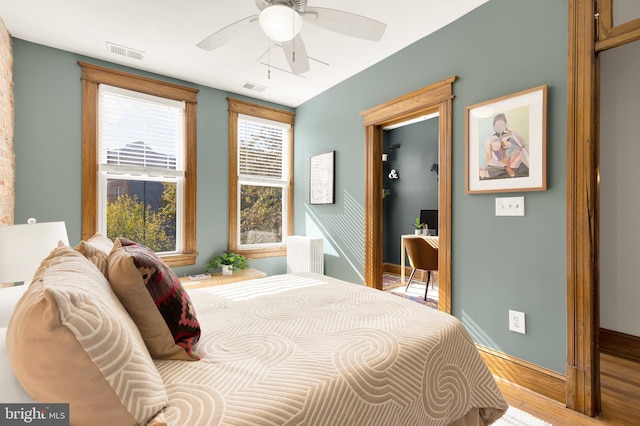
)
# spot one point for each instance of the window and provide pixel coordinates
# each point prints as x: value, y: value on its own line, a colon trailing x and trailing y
x: 140, y: 168
x: 260, y: 179
x: 139, y: 162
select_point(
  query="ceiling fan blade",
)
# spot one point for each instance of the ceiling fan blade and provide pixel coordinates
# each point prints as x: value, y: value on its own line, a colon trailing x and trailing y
x: 345, y: 23
x: 228, y: 33
x: 296, y: 55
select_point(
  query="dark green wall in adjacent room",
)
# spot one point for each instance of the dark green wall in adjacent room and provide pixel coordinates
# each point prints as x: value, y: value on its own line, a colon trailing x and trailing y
x: 412, y: 151
x: 498, y: 263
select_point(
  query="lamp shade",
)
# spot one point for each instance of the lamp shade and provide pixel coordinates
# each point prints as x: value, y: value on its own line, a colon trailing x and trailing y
x: 280, y: 23
x: 23, y: 247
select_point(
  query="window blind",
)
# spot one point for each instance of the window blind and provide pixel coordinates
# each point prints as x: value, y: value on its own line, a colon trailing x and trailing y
x: 139, y: 132
x: 263, y: 150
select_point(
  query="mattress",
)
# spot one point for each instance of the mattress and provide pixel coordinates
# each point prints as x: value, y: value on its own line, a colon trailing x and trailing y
x: 306, y: 349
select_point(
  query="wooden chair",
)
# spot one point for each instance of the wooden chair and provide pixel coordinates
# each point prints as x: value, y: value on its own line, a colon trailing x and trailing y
x: 421, y: 256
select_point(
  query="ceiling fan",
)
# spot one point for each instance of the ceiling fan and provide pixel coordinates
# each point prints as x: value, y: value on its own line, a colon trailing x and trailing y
x: 281, y: 20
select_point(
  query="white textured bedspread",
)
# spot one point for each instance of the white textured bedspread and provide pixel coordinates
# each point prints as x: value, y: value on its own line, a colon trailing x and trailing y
x: 311, y: 350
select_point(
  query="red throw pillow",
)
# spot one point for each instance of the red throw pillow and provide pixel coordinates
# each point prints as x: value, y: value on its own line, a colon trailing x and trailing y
x: 166, y: 291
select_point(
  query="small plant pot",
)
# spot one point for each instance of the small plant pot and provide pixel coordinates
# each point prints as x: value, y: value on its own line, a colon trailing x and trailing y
x: 418, y: 231
x: 227, y: 269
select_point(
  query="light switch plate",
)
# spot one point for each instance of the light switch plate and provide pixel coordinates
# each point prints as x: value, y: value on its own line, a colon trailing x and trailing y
x: 510, y: 206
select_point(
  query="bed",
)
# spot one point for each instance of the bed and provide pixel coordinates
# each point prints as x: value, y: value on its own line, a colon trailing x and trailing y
x: 292, y: 349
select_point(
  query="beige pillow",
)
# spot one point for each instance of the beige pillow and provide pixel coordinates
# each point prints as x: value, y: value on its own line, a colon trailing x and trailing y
x: 96, y: 249
x: 71, y: 341
x: 101, y: 242
x: 168, y: 328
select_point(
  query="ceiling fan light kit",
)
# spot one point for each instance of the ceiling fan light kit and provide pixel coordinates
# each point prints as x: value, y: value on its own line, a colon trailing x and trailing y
x: 280, y: 22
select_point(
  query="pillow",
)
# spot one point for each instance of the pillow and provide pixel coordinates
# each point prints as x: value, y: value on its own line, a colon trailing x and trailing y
x: 101, y: 242
x: 96, y: 249
x: 155, y: 299
x: 9, y: 296
x: 71, y: 341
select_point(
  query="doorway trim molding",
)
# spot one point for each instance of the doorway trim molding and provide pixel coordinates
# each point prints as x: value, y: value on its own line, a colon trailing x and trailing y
x: 438, y: 98
x: 591, y: 30
x: 583, y: 306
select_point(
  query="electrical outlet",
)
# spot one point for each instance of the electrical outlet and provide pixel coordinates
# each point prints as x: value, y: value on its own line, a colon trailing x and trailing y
x: 517, y: 322
x: 510, y: 206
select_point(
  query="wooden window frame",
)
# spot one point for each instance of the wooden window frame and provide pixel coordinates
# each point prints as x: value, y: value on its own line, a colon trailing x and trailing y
x: 92, y: 77
x: 237, y: 107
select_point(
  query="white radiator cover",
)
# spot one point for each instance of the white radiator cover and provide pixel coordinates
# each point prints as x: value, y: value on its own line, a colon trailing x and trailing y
x: 305, y: 254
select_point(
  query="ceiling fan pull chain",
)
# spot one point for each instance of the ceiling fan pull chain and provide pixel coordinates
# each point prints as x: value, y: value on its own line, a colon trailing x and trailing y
x: 269, y: 58
x: 293, y: 35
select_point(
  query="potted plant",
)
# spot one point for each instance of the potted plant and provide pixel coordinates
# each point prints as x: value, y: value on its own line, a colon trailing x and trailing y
x: 416, y: 224
x: 228, y: 261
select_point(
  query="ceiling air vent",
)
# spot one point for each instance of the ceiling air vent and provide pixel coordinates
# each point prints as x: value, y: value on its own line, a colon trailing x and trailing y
x: 253, y: 86
x: 128, y: 52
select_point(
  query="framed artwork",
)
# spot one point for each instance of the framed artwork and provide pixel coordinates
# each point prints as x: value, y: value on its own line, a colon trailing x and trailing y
x: 321, y: 182
x: 506, y: 141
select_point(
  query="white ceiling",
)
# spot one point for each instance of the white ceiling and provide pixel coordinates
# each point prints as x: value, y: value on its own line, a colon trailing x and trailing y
x: 168, y: 31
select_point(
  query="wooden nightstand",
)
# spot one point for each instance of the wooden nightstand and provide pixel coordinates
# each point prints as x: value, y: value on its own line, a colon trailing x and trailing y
x: 218, y: 279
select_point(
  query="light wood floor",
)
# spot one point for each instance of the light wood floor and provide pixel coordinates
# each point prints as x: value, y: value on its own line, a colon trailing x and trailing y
x: 620, y: 382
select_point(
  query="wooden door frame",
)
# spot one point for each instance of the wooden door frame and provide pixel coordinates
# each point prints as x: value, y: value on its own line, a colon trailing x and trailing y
x: 588, y: 36
x: 438, y: 98
x: 583, y: 307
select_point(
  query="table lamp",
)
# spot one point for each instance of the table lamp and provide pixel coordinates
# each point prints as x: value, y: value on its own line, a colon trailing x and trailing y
x: 23, y: 247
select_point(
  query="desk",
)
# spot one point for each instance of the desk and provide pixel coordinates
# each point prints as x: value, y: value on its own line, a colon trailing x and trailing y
x: 218, y: 279
x: 432, y: 240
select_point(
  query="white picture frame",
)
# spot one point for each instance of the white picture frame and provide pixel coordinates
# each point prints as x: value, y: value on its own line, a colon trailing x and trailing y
x: 506, y: 143
x: 321, y: 178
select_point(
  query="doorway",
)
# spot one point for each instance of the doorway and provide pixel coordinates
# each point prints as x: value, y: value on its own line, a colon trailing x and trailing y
x: 619, y: 104
x: 410, y: 197
x: 436, y: 98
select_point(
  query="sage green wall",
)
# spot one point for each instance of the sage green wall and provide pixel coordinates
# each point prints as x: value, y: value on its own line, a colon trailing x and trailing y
x: 498, y: 264
x: 48, y: 149
x: 502, y: 47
